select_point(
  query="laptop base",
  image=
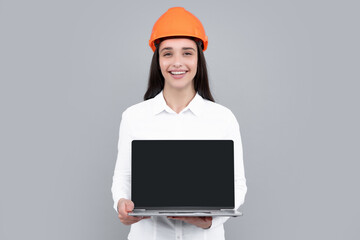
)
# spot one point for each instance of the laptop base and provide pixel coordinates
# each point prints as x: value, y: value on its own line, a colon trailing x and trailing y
x: 186, y: 213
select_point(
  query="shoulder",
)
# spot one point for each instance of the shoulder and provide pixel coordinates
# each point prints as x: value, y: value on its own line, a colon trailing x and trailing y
x: 140, y: 109
x: 218, y: 109
x: 224, y: 115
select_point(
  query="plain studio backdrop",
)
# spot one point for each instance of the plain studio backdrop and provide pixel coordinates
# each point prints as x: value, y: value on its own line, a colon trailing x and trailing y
x: 289, y: 71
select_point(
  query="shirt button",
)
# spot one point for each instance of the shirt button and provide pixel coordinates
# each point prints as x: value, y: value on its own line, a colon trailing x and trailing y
x: 178, y: 237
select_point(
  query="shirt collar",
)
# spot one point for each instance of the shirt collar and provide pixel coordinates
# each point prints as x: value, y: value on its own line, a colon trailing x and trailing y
x: 160, y: 105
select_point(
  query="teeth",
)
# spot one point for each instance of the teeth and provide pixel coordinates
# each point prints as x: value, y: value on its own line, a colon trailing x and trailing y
x: 176, y: 73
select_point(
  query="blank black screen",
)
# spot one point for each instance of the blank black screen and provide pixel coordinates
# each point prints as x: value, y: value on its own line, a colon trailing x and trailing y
x: 192, y: 174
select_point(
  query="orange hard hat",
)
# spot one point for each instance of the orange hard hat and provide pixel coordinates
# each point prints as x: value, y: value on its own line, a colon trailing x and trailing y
x: 177, y: 21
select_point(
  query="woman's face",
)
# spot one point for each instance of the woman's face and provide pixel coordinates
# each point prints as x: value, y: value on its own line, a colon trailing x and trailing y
x: 178, y: 62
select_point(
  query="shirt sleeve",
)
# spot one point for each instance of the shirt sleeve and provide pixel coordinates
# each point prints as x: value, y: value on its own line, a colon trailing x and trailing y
x: 239, y: 173
x: 122, y: 174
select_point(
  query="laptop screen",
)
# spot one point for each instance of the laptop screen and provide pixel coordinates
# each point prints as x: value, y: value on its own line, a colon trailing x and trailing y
x: 182, y: 174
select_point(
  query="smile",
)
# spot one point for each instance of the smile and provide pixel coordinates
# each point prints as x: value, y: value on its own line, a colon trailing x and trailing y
x: 178, y: 74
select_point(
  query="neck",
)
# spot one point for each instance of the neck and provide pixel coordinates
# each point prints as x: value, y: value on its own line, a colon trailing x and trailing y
x: 177, y: 99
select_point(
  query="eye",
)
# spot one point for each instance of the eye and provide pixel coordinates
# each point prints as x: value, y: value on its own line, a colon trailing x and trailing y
x: 167, y: 54
x: 188, y: 53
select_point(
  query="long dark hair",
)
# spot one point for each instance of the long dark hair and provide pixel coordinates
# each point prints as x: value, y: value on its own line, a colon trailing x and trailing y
x: 157, y: 81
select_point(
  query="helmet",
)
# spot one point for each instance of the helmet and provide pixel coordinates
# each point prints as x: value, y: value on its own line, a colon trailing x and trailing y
x: 177, y: 21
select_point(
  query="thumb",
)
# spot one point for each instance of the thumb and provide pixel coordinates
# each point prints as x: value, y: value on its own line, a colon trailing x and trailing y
x: 129, y: 206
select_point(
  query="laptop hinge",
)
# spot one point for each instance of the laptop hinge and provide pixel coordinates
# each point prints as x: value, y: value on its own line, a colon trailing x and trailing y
x: 140, y: 209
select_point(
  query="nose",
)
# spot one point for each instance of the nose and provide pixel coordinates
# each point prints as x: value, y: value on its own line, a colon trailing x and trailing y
x: 177, y: 61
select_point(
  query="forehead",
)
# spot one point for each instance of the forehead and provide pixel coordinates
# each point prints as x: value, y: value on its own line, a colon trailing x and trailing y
x: 178, y: 43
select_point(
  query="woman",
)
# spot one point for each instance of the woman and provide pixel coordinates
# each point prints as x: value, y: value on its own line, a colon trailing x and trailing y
x: 178, y: 105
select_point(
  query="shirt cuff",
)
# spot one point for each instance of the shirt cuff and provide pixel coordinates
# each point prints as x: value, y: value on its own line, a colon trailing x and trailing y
x: 115, y: 205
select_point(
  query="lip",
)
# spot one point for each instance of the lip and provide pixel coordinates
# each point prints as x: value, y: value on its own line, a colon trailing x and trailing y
x: 178, y: 70
x: 178, y: 76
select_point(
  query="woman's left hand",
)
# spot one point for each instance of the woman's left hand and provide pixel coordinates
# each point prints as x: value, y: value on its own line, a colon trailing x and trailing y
x: 202, y: 222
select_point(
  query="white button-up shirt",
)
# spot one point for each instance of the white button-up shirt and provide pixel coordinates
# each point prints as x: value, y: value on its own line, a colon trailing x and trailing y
x: 154, y: 119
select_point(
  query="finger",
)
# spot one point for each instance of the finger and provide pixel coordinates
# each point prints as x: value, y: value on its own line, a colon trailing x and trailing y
x: 129, y: 222
x: 192, y: 220
x: 122, y: 211
x: 126, y: 217
x: 142, y: 217
x: 126, y: 221
x: 179, y: 218
x: 133, y: 218
x: 182, y: 217
x: 129, y: 206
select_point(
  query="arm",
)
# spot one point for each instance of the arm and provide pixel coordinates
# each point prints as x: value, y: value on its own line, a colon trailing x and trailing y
x: 240, y: 181
x: 122, y: 173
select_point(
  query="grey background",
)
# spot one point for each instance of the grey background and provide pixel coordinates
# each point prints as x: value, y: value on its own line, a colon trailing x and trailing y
x: 289, y: 70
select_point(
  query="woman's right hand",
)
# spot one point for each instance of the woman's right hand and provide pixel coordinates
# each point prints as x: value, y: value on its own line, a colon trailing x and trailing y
x: 124, y: 207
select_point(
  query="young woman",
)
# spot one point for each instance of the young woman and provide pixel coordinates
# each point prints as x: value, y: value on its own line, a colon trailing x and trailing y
x: 177, y: 105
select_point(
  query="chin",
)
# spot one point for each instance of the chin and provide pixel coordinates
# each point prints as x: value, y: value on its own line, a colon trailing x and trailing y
x: 180, y: 86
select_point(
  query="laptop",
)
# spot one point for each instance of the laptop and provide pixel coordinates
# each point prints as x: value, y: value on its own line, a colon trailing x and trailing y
x: 183, y: 178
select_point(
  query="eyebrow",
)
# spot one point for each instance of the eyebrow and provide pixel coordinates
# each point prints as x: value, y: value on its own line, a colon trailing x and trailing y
x: 184, y: 48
